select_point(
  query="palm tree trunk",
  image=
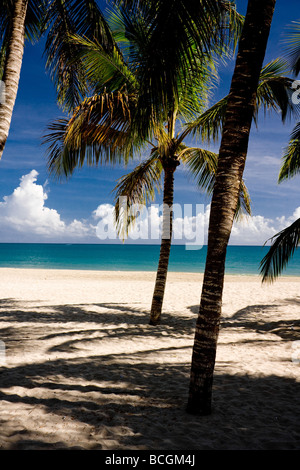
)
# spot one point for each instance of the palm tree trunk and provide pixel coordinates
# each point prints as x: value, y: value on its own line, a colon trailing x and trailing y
x: 169, y: 166
x: 232, y: 157
x: 12, y: 69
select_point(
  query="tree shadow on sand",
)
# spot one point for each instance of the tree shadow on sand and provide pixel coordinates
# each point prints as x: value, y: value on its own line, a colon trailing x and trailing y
x: 247, y: 318
x: 134, y: 399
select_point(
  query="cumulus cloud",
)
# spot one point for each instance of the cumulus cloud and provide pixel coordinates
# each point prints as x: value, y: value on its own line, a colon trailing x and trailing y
x: 192, y: 229
x: 24, y: 216
x: 256, y: 229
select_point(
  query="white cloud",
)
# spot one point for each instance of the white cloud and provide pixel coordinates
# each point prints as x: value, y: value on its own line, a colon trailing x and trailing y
x: 256, y: 230
x: 24, y: 216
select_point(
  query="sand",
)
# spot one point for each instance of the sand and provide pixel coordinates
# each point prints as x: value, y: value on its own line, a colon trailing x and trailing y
x: 82, y: 369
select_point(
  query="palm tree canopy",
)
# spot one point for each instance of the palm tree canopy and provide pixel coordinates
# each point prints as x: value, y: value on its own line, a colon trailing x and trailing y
x: 180, y: 33
x: 107, y: 125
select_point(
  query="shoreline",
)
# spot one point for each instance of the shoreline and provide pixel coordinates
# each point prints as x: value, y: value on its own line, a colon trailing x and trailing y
x: 121, y: 272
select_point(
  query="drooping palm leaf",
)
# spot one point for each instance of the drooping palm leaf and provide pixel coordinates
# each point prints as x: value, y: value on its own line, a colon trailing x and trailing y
x: 273, y: 93
x: 36, y: 11
x: 138, y: 187
x: 292, y: 40
x: 103, y: 68
x: 274, y: 89
x: 283, y: 246
x: 61, y: 21
x: 97, y: 132
x: 202, y: 165
x: 291, y: 159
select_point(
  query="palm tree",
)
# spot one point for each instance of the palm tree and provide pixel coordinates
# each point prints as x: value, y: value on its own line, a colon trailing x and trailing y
x: 286, y: 241
x: 139, y: 185
x: 22, y: 20
x: 231, y: 162
x: 107, y: 125
x: 102, y: 128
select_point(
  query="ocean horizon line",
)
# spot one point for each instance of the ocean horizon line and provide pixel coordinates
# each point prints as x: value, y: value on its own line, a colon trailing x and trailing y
x: 240, y: 259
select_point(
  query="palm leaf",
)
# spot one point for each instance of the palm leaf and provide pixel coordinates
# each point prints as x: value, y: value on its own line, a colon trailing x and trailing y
x: 98, y: 132
x: 102, y: 68
x: 62, y: 20
x: 182, y: 33
x: 36, y: 11
x: 292, y: 40
x: 138, y: 187
x: 280, y: 252
x: 202, y: 165
x: 291, y: 160
x: 273, y: 93
x: 274, y: 89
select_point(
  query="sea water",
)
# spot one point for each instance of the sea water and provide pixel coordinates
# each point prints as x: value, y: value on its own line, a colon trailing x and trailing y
x: 242, y: 260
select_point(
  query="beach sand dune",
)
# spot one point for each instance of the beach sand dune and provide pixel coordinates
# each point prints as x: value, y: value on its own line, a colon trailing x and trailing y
x: 82, y: 369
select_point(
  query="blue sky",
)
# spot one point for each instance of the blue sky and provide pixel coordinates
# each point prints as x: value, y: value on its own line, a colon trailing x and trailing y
x: 39, y: 208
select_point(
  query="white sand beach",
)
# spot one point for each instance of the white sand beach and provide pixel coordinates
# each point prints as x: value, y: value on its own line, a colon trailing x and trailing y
x: 83, y: 369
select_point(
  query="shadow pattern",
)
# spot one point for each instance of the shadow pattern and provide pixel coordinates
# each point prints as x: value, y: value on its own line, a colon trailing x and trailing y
x: 134, y: 399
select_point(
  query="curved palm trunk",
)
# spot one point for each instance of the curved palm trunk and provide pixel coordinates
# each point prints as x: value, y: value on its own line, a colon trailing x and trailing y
x: 169, y: 166
x: 232, y: 156
x: 12, y: 69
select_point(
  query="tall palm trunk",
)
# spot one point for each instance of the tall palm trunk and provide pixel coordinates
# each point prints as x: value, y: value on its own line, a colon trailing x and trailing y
x: 169, y: 165
x: 231, y: 161
x: 12, y: 69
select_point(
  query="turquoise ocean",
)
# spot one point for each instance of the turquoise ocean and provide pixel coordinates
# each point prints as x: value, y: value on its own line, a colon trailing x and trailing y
x: 113, y: 257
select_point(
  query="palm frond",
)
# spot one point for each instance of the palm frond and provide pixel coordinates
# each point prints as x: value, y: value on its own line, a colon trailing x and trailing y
x: 273, y: 93
x: 36, y: 11
x: 102, y: 68
x: 274, y: 89
x: 137, y: 187
x: 202, y: 165
x: 208, y: 126
x: 292, y: 41
x: 98, y: 132
x: 283, y: 246
x: 62, y: 20
x: 291, y: 159
x: 244, y: 202
x: 181, y: 34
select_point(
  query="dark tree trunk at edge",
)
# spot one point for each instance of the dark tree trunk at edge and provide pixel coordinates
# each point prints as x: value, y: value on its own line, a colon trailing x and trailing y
x: 232, y: 157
